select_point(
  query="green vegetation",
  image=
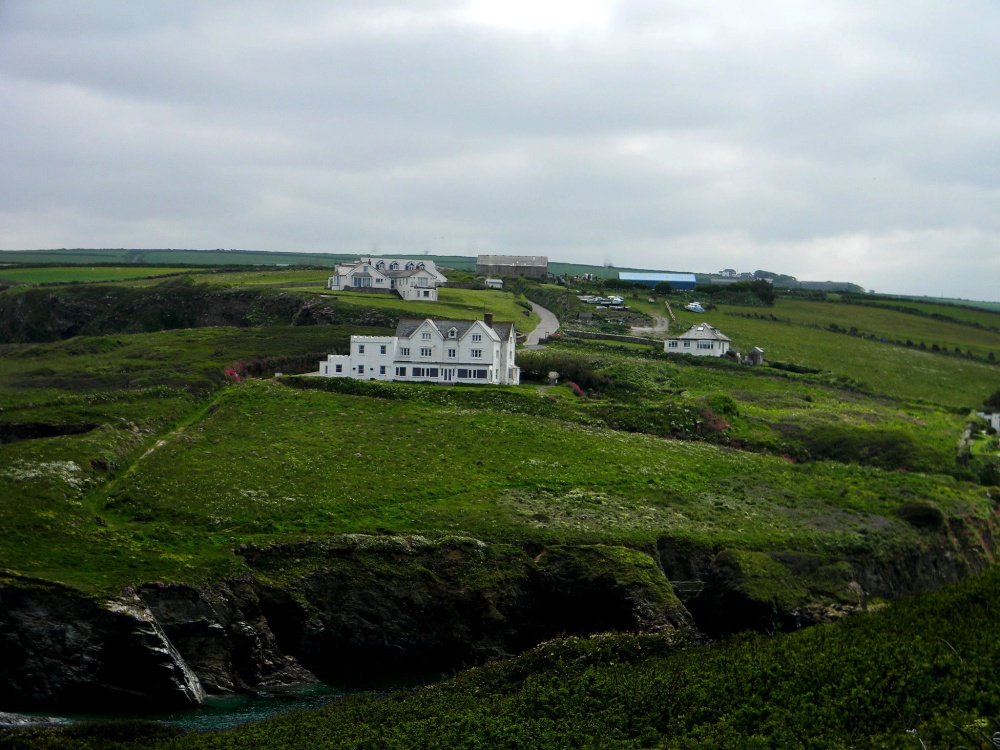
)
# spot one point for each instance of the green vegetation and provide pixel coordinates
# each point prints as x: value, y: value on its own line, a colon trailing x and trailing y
x: 63, y: 274
x: 894, y: 679
x: 455, y: 304
x: 134, y: 458
x: 530, y: 468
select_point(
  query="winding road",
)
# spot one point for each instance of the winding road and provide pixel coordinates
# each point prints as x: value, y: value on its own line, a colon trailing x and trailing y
x: 548, y: 325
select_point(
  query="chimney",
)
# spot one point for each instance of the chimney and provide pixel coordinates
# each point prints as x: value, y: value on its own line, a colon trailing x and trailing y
x: 488, y: 319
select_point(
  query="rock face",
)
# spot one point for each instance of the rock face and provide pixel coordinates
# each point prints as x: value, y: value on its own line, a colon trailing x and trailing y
x: 384, y: 606
x: 223, y: 636
x: 342, y: 611
x: 358, y: 607
x: 54, y: 313
x: 58, y: 648
x: 758, y: 591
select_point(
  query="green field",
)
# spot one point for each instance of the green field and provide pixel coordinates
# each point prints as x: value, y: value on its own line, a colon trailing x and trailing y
x: 800, y: 335
x: 63, y: 274
x: 969, y: 312
x: 980, y: 304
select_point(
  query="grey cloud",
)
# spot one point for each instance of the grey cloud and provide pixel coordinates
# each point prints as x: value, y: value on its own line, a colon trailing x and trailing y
x: 680, y: 135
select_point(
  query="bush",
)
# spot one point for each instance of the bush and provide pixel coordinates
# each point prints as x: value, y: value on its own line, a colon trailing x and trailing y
x: 993, y: 402
x: 921, y: 514
x: 536, y: 365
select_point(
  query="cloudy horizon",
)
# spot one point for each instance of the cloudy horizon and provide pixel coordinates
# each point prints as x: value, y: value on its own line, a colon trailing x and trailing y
x: 826, y: 140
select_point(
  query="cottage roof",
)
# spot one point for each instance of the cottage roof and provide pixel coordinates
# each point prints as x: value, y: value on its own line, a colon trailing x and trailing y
x: 704, y: 332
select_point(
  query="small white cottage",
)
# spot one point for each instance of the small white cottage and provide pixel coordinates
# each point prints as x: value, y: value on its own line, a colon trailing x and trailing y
x: 701, y: 340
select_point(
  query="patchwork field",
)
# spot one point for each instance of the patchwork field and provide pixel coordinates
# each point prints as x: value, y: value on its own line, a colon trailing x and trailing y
x: 800, y: 335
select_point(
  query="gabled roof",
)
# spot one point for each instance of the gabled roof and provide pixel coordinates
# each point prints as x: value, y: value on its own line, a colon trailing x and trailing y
x: 704, y: 332
x: 406, y: 327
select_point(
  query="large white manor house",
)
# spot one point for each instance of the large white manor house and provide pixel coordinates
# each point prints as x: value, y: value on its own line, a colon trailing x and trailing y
x: 440, y: 351
x: 410, y: 279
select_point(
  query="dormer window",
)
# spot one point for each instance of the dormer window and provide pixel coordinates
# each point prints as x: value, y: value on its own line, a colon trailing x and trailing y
x: 394, y: 266
x: 410, y: 266
x: 380, y: 265
x: 452, y: 333
x: 421, y: 266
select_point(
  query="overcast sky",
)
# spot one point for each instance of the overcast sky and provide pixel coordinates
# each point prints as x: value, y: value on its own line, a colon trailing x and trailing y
x: 828, y: 140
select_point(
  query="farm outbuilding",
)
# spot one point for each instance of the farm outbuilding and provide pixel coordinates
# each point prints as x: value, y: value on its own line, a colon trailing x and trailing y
x: 533, y: 266
x: 676, y: 280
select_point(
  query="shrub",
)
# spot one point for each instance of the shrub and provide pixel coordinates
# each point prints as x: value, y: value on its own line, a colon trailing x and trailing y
x: 993, y: 402
x: 921, y: 514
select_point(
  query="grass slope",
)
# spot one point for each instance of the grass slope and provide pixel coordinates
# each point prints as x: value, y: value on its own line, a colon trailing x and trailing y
x: 265, y: 463
x: 800, y: 335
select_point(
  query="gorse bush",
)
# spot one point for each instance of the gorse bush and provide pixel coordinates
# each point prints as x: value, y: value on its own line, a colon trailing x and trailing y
x: 582, y: 370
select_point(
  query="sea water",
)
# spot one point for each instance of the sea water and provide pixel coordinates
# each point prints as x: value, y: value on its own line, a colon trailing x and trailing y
x: 227, y: 711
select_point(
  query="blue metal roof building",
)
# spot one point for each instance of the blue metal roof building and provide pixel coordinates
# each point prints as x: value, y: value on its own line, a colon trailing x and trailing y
x: 676, y: 280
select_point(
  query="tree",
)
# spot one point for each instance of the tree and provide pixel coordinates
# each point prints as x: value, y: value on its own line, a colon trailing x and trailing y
x: 993, y: 402
x: 763, y: 290
x: 663, y: 287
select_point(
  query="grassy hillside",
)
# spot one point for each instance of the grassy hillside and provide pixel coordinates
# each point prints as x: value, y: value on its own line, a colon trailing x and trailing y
x: 538, y: 465
x: 135, y: 458
x: 798, y: 331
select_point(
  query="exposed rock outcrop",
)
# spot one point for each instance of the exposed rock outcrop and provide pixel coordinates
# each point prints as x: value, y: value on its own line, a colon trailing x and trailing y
x: 223, y: 635
x: 371, y: 606
x: 741, y: 590
x: 352, y: 608
x: 60, y: 648
x: 54, y: 313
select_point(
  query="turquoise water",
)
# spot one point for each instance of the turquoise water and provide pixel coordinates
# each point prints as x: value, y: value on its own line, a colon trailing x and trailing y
x: 225, y: 712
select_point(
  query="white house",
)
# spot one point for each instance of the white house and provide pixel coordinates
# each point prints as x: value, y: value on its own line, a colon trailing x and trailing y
x: 494, y: 283
x: 410, y: 279
x: 440, y: 351
x: 701, y: 340
x: 993, y: 419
